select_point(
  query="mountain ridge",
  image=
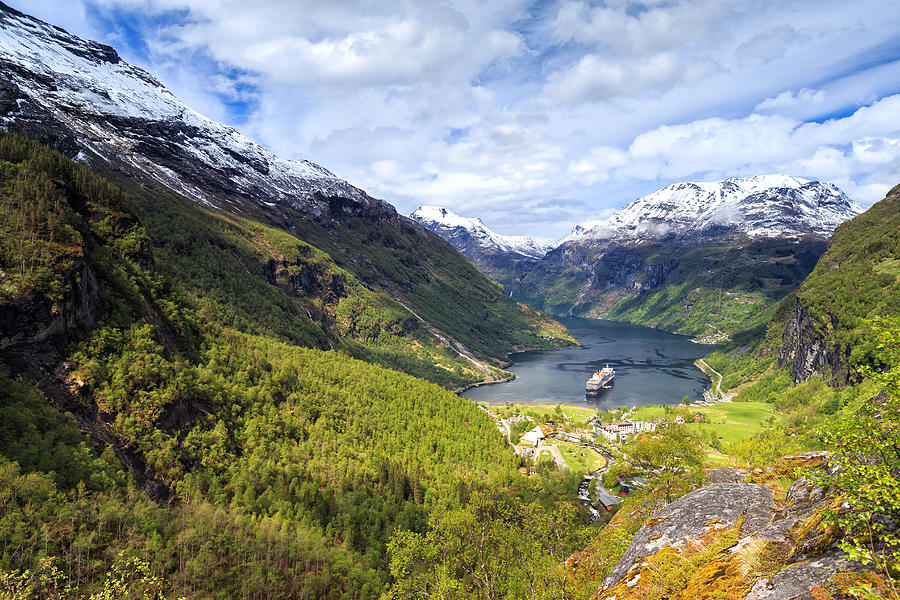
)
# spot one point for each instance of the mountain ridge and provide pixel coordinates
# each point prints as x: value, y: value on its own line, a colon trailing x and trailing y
x: 504, y: 258
x: 438, y: 216
x: 704, y: 259
x: 744, y: 204
x: 81, y: 98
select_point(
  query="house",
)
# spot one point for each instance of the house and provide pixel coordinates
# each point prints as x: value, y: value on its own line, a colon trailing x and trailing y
x: 534, y: 436
x: 629, y: 485
x: 616, y: 432
x: 606, y: 499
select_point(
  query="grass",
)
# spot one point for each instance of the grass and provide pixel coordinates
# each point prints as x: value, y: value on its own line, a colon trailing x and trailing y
x: 713, y: 458
x: 889, y: 266
x: 581, y: 459
x: 730, y: 421
x: 542, y: 411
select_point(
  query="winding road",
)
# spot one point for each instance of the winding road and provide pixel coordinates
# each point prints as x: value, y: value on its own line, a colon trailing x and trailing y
x: 703, y: 366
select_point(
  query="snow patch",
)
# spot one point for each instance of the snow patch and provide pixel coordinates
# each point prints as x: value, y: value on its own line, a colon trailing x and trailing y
x: 488, y: 239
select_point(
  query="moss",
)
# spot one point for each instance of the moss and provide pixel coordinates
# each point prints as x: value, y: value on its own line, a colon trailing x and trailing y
x: 655, y: 520
x: 670, y: 572
x: 814, y: 529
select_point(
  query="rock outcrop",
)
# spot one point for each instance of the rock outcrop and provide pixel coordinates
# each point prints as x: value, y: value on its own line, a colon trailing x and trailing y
x: 35, y: 330
x: 805, y: 352
x: 735, y: 540
x: 716, y: 506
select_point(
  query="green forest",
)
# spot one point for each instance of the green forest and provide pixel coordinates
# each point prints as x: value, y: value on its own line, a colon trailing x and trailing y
x: 225, y: 422
x: 261, y: 465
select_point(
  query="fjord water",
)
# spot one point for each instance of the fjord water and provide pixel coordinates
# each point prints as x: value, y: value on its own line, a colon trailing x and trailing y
x: 652, y: 367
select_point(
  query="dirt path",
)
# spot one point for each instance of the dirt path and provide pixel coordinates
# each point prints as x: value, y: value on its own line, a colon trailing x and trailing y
x: 554, y: 452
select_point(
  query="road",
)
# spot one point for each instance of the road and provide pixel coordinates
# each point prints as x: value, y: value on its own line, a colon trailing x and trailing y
x: 505, y: 424
x: 554, y: 452
x: 718, y: 383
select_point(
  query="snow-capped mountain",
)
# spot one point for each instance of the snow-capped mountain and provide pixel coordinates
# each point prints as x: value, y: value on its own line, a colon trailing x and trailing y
x: 758, y: 206
x: 462, y: 230
x: 82, y: 98
x: 699, y: 258
x: 502, y: 257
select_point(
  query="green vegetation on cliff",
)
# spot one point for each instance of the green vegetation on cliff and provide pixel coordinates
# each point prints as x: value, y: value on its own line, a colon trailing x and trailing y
x: 706, y: 288
x: 278, y: 470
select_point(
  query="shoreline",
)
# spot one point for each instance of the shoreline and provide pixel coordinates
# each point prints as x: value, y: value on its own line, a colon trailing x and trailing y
x: 509, y: 363
x: 462, y: 390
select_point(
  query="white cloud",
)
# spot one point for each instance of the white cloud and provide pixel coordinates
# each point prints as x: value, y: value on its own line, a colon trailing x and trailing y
x: 536, y: 116
x: 789, y: 99
x: 861, y: 149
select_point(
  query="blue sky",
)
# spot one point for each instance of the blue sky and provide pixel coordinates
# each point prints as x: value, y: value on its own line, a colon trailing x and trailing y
x: 533, y: 116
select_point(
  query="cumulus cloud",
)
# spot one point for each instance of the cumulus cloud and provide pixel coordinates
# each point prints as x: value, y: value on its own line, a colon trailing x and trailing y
x: 532, y: 116
x: 859, y: 150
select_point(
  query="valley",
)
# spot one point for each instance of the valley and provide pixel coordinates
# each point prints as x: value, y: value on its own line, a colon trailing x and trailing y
x: 229, y: 374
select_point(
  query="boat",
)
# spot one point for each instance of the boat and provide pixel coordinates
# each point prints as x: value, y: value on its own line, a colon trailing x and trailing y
x: 599, y: 380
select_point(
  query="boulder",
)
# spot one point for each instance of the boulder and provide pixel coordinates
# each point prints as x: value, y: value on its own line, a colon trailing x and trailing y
x: 715, y: 506
x: 796, y: 581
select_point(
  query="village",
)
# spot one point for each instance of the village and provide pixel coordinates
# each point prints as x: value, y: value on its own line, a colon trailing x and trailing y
x: 586, y: 440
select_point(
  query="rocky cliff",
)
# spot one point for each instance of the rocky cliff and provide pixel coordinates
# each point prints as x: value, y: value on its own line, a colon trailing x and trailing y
x: 34, y: 330
x: 734, y: 539
x: 826, y: 330
x: 804, y: 350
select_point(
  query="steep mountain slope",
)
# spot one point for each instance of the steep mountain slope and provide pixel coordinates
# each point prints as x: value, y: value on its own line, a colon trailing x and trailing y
x: 706, y: 259
x: 277, y: 471
x: 501, y: 257
x: 826, y: 329
x: 857, y: 280
x: 365, y: 268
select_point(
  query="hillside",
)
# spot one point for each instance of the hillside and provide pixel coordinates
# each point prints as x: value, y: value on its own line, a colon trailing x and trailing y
x: 826, y: 327
x: 315, y: 247
x: 824, y: 330
x: 136, y: 419
x: 503, y: 258
x: 705, y: 259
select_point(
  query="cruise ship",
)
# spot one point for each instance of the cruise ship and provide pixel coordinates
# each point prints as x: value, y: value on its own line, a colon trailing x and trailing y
x: 599, y: 380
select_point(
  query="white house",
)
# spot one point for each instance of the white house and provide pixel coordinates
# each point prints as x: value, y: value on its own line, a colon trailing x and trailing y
x: 534, y: 436
x: 616, y: 432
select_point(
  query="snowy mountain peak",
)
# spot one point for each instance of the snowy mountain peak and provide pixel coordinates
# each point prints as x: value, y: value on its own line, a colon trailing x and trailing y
x: 117, y: 112
x: 763, y: 205
x: 453, y: 227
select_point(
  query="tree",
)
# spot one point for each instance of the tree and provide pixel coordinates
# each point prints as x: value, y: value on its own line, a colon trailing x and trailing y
x: 865, y: 463
x: 672, y: 457
x: 495, y: 547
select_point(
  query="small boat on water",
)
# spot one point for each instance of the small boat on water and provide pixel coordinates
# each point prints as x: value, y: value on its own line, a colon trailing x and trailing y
x: 599, y: 380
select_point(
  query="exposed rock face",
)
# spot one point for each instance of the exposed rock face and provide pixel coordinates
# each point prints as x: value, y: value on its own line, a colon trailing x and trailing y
x: 804, y: 351
x: 777, y: 549
x: 714, y: 506
x: 726, y: 475
x: 795, y: 582
x: 34, y: 332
